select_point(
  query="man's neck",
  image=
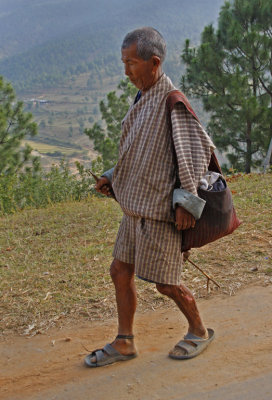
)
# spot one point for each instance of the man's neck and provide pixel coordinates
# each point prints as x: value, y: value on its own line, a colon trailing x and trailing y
x: 156, y: 78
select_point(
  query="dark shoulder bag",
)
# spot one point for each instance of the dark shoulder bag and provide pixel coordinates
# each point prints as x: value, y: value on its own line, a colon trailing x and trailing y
x: 218, y: 218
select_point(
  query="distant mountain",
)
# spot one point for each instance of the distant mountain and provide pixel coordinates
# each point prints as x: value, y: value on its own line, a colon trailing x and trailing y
x: 45, y: 41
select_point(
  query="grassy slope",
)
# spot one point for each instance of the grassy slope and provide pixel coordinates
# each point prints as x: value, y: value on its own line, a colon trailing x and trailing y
x: 54, y: 262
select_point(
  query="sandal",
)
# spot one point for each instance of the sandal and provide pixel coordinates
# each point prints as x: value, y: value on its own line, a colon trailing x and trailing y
x: 108, y: 355
x: 192, y: 345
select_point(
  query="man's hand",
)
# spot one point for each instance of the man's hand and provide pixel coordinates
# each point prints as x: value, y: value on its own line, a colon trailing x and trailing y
x: 184, y: 220
x: 103, y: 186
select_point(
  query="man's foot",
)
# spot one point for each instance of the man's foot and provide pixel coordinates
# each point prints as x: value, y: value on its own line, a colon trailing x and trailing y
x: 121, y: 349
x: 191, y: 345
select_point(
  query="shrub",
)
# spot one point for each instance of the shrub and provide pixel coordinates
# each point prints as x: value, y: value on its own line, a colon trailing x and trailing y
x: 36, y: 188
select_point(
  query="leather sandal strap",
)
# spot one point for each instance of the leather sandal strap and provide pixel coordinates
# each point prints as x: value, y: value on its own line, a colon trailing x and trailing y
x: 125, y: 337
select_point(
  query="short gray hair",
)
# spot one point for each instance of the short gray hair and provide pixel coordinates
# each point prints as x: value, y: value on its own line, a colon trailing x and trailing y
x: 149, y: 43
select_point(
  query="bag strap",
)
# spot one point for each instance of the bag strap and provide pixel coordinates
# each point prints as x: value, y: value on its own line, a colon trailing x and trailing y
x: 174, y: 97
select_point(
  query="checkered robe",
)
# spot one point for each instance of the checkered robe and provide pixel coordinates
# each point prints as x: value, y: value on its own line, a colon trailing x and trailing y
x: 145, y: 175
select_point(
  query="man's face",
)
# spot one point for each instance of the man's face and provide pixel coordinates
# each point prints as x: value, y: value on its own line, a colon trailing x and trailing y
x: 140, y: 72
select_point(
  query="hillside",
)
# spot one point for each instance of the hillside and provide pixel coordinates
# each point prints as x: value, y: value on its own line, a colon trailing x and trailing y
x: 63, y: 57
x: 44, y: 42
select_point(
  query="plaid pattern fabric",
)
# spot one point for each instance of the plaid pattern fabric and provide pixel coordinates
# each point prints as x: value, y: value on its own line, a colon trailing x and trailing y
x: 153, y: 247
x: 193, y: 148
x: 144, y: 177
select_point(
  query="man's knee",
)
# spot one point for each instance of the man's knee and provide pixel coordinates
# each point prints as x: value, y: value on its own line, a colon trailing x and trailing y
x: 175, y: 291
x: 121, y: 270
x: 164, y: 289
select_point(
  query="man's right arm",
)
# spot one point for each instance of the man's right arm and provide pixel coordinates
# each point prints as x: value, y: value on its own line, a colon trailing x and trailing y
x: 103, y: 185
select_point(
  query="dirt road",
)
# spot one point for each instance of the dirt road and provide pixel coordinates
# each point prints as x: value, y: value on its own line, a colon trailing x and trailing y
x: 236, y: 366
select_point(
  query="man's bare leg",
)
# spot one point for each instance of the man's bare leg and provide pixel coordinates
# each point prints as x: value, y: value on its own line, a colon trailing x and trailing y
x: 187, y: 304
x: 122, y: 275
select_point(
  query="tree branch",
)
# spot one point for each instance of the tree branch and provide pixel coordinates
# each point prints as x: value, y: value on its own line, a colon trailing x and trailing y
x: 265, y: 87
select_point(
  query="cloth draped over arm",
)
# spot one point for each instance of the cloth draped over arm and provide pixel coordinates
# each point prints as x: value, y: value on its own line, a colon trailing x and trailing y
x: 193, y: 148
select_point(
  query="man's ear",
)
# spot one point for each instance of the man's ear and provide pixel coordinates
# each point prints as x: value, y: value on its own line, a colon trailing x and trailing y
x: 156, y: 61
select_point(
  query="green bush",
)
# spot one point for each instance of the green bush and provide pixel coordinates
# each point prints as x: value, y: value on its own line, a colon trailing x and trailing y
x: 36, y: 188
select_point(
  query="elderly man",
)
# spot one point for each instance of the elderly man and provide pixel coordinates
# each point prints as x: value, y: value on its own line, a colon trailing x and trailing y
x: 144, y: 180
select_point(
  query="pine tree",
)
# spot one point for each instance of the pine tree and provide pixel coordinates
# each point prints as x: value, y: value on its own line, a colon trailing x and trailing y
x: 106, y: 140
x: 231, y: 72
x: 15, y: 125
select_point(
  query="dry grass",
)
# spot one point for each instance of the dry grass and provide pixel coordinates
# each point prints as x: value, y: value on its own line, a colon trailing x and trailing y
x: 246, y: 256
x: 54, y: 262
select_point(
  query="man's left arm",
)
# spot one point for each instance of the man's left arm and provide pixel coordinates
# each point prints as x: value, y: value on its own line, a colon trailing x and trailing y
x: 193, y: 149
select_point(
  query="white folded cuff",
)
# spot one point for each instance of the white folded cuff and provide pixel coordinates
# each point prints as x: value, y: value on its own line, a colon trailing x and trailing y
x: 193, y: 204
x: 108, y: 174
